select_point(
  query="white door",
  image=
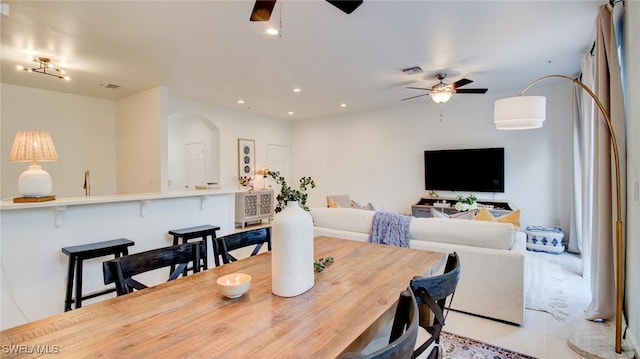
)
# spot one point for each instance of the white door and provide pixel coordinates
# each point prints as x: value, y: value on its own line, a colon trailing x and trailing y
x: 194, y: 163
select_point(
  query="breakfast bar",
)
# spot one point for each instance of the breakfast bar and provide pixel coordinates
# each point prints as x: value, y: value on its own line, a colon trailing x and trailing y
x: 34, y: 269
x: 188, y: 317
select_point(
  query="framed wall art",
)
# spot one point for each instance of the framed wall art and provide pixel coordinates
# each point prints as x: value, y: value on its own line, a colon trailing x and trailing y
x: 246, y: 158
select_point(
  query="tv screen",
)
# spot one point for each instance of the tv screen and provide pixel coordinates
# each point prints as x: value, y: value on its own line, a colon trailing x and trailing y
x: 474, y: 170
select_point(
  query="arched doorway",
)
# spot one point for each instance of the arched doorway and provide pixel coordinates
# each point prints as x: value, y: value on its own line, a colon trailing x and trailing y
x: 193, y: 151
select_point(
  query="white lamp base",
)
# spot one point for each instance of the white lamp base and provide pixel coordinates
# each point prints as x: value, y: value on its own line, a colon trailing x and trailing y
x: 594, y: 345
x: 35, y: 182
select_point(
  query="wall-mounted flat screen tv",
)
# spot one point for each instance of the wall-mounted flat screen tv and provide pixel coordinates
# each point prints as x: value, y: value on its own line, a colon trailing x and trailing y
x: 474, y: 170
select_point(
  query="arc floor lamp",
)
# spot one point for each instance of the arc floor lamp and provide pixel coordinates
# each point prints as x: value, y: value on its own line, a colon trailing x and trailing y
x: 527, y: 112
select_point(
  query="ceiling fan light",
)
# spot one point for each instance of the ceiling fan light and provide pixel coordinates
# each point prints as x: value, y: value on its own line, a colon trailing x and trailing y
x: 441, y: 96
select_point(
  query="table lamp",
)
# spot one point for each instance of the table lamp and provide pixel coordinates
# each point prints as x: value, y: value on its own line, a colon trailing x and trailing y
x: 34, y: 146
x: 264, y: 171
x: 528, y: 112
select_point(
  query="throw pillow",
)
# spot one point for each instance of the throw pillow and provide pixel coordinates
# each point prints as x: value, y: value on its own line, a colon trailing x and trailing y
x: 484, y: 215
x: 355, y: 204
x: 514, y: 217
x: 470, y: 214
x: 332, y: 204
x: 437, y: 214
x: 367, y: 206
x: 461, y: 215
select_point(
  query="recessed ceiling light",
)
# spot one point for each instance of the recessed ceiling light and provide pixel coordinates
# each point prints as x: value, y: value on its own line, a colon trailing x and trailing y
x: 240, y: 102
x: 290, y: 112
x: 296, y: 90
x: 272, y: 31
x: 343, y: 105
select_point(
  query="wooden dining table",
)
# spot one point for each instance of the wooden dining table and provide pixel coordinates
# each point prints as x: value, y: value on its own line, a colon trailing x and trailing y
x: 188, y: 318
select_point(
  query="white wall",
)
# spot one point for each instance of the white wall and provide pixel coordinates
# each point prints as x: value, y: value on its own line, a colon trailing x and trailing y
x: 233, y: 125
x: 83, y: 130
x: 377, y: 156
x: 142, y: 142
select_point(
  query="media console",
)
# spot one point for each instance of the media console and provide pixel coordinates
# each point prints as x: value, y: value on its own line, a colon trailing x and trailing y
x: 447, y: 205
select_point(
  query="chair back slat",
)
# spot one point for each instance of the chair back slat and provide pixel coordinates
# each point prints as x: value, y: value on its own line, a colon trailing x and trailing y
x: 121, y: 270
x: 441, y: 286
x: 255, y: 237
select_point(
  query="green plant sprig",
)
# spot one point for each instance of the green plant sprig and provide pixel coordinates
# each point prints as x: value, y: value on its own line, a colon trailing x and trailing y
x: 322, y: 263
x: 288, y: 193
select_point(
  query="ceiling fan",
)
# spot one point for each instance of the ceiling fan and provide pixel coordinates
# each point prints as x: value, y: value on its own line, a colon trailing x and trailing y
x: 262, y: 9
x: 442, y: 92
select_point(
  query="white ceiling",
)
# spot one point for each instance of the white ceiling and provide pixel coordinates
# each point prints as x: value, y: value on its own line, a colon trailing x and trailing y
x: 208, y: 51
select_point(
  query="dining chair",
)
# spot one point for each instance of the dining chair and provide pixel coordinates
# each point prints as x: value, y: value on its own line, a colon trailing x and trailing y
x: 431, y: 294
x: 404, y: 331
x: 121, y: 270
x: 255, y: 237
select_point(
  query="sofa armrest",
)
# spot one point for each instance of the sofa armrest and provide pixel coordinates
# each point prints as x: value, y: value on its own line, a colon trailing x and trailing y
x: 492, y: 281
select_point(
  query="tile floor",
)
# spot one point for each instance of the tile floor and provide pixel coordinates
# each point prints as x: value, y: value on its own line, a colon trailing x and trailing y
x: 541, y: 335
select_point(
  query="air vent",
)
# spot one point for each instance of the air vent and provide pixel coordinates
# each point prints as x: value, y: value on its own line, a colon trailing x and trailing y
x: 412, y: 70
x: 110, y: 86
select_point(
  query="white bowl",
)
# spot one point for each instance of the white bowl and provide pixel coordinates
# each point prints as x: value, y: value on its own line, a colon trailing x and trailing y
x: 234, y: 285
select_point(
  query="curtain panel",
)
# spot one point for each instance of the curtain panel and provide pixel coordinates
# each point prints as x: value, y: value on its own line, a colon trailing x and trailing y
x: 608, y: 88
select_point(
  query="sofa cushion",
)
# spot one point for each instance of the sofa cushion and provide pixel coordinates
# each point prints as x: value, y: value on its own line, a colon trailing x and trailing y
x: 345, y: 219
x: 464, y: 232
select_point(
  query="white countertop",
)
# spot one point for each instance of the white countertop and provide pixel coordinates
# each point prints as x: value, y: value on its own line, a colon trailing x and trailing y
x: 75, y: 201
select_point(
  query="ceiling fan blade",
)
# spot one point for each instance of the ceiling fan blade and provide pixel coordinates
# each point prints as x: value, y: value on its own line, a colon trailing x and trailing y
x: 262, y: 10
x: 348, y: 6
x: 409, y: 98
x: 471, y: 91
x: 419, y: 88
x: 460, y: 83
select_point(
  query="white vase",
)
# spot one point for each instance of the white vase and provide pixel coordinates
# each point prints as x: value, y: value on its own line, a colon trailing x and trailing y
x: 292, y: 251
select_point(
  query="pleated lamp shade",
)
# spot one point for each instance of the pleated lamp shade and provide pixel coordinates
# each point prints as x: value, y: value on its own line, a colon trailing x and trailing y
x: 34, y: 146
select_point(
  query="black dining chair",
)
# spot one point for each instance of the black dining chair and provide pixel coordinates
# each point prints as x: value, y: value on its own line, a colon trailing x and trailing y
x: 255, y: 237
x: 431, y: 294
x: 121, y: 270
x: 404, y: 331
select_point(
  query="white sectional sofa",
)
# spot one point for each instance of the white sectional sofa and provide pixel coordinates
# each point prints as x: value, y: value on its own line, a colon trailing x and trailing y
x: 492, y: 255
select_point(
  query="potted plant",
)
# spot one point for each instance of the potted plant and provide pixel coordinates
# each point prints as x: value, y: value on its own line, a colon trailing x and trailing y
x: 466, y: 203
x: 288, y: 193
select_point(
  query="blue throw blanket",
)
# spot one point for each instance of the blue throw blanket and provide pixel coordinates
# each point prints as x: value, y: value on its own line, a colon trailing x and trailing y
x: 390, y: 229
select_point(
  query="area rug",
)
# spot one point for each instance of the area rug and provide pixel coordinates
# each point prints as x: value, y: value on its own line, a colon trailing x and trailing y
x: 546, y: 286
x: 459, y: 347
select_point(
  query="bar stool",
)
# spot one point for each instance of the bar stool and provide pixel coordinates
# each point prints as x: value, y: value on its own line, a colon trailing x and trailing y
x: 77, y: 254
x: 203, y: 232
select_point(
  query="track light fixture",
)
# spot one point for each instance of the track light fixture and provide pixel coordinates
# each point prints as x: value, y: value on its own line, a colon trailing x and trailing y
x: 46, y: 67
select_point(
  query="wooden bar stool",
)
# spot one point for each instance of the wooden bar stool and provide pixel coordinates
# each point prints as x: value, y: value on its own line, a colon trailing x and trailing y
x: 77, y: 254
x: 198, y: 232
